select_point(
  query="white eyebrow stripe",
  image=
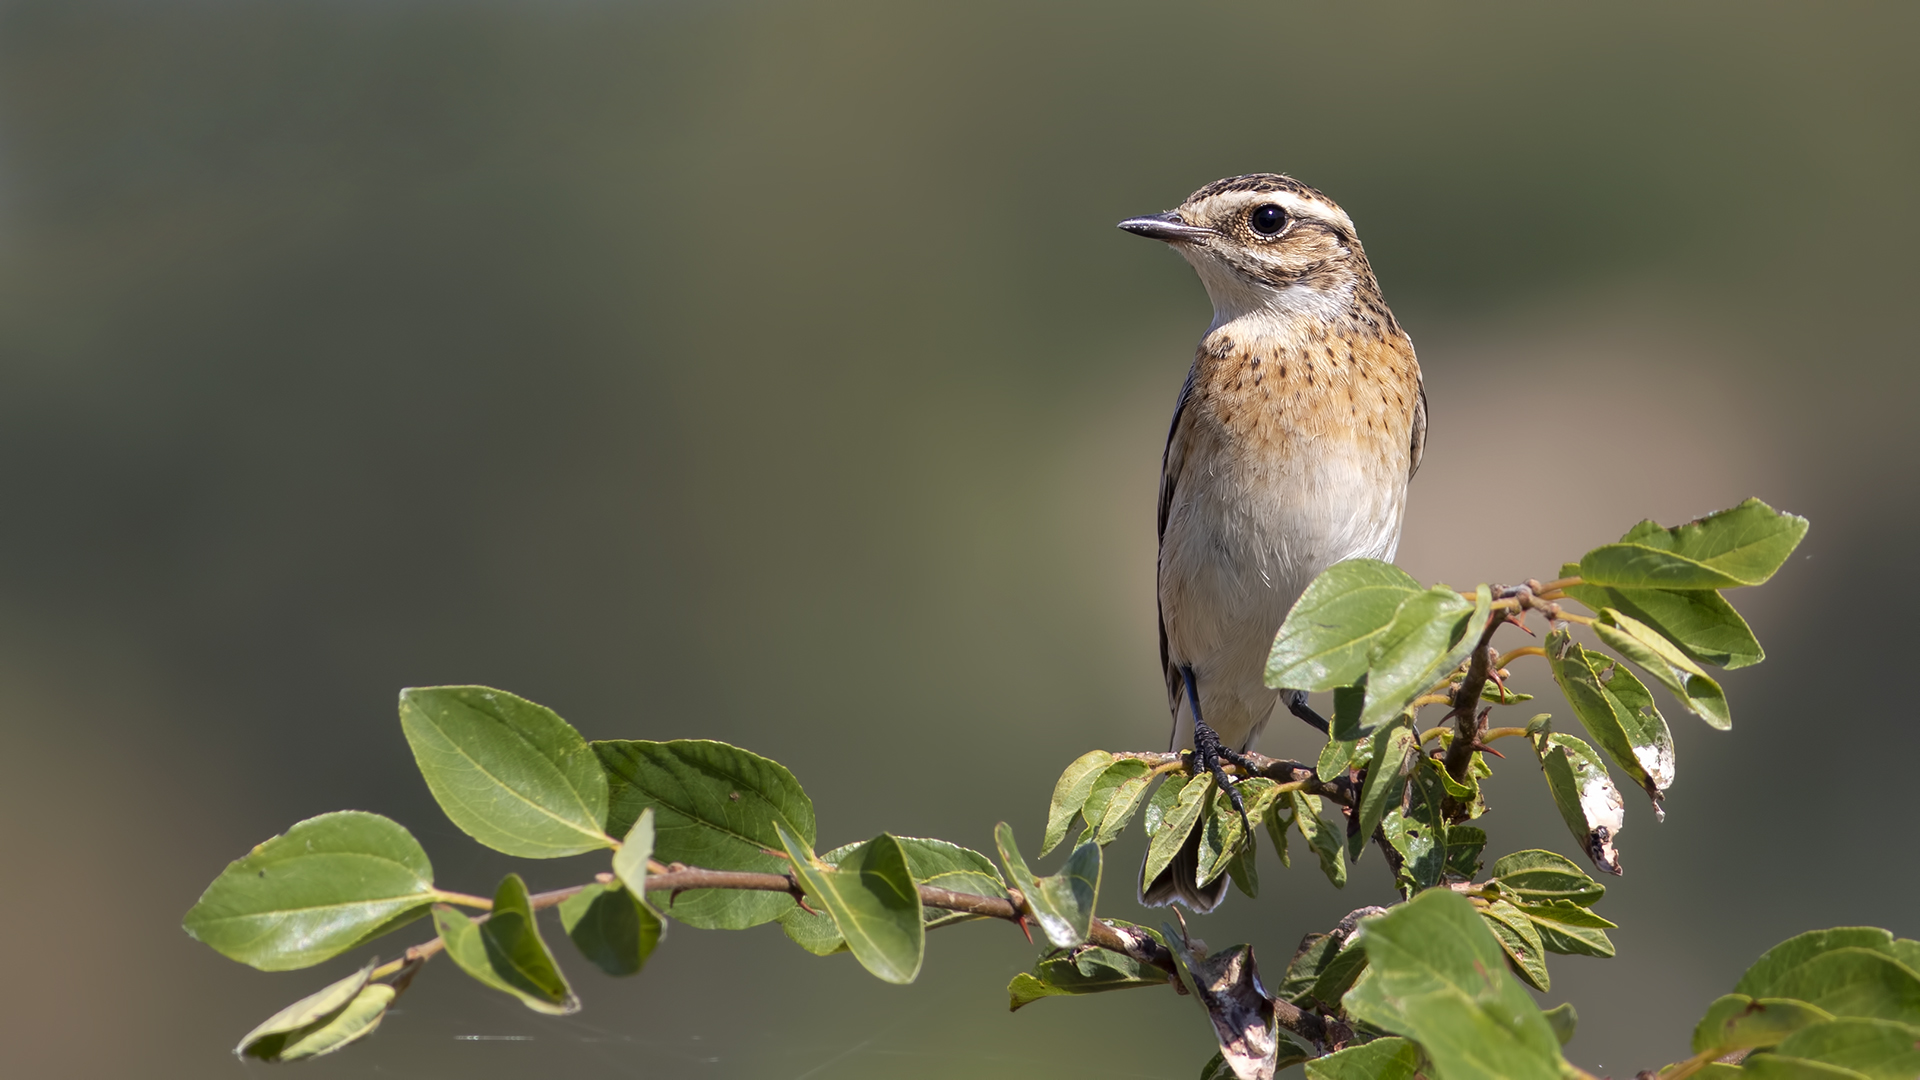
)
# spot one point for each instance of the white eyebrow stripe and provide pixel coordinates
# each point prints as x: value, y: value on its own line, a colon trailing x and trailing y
x: 1299, y: 206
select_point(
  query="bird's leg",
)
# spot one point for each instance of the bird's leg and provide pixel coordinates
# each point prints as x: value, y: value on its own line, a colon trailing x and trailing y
x: 1297, y: 705
x: 1209, y: 751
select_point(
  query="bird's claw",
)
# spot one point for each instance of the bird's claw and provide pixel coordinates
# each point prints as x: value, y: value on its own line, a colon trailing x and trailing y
x: 1208, y: 753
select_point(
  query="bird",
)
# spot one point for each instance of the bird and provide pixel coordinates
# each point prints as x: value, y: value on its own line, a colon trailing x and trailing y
x: 1301, y: 422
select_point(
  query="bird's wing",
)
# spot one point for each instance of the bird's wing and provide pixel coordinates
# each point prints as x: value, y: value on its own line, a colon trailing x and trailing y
x: 1172, y: 461
x: 1419, y: 427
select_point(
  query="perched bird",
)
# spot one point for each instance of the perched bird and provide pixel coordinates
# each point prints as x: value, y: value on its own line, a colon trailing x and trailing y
x: 1301, y: 421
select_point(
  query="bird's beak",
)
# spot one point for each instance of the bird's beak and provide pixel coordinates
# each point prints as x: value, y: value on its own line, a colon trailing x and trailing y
x: 1167, y: 227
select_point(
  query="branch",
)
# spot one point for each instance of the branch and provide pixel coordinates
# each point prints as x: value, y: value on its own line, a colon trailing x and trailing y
x: 1012, y: 908
x: 1299, y: 777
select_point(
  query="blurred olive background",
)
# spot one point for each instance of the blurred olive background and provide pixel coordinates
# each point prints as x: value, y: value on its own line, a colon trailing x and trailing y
x: 774, y: 373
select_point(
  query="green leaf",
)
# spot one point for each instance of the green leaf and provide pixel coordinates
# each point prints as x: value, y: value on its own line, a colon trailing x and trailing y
x: 1776, y: 1067
x: 1741, y: 546
x: 937, y: 863
x: 509, y: 773
x: 1855, y: 982
x: 1569, y: 929
x: 505, y: 952
x: 1090, y: 970
x: 1394, y: 749
x: 1739, y: 1022
x: 1563, y: 1020
x: 1326, y: 840
x: 1876, y: 1049
x: 1176, y: 822
x: 1307, y: 964
x: 1244, y: 871
x: 1327, y: 638
x: 1062, y: 904
x: 872, y: 899
x: 1070, y: 794
x: 1584, y: 793
x: 611, y: 927
x: 1422, y: 849
x: 329, y: 884
x: 358, y: 1020
x: 1339, y: 973
x: 1222, y: 836
x: 308, y: 1014
x: 1381, y: 1059
x: 1114, y: 798
x: 1277, y: 825
x: 715, y: 806
x: 1907, y: 951
x: 1066, y: 910
x: 1348, y: 703
x: 1161, y: 803
x: 1768, y: 974
x: 630, y: 862
x: 1660, y: 658
x: 1430, y: 634
x: 1700, y: 622
x: 1464, y: 845
x: 1617, y: 711
x: 1443, y: 978
x: 1520, y: 941
x: 1538, y: 877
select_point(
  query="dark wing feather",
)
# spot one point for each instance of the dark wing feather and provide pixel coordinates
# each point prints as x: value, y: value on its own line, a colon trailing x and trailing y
x: 1172, y: 461
x: 1419, y: 429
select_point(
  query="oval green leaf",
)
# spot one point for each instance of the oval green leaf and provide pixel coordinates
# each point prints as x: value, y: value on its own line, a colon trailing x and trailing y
x: 1070, y: 794
x: 1520, y: 941
x: 1091, y: 970
x: 1617, y: 711
x: 1129, y: 773
x: 1739, y: 1022
x: 1063, y: 903
x: 1327, y: 638
x: 1440, y: 971
x: 330, y: 883
x: 872, y: 900
x: 1740, y: 546
x: 510, y: 773
x: 1660, y: 658
x: 1430, y: 634
x: 1391, y: 1058
x: 611, y: 927
x: 1536, y: 876
x: 354, y: 1022
x: 1856, y: 982
x: 1393, y: 755
x: 715, y: 806
x: 1768, y: 974
x: 1176, y: 822
x: 1567, y: 928
x: 273, y: 1034
x: 937, y: 863
x: 506, y: 952
x: 1876, y: 1049
x: 1700, y: 622
x: 1585, y: 796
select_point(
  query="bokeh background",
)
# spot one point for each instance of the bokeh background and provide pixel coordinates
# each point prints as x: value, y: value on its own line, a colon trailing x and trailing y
x: 773, y: 372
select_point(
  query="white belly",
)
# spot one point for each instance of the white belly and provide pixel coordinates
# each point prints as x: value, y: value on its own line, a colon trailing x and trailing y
x: 1240, y: 545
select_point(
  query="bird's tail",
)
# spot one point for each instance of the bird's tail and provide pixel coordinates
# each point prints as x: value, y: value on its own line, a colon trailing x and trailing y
x: 1180, y: 881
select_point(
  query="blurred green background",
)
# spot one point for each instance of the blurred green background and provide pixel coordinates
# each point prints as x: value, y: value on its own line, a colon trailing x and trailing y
x: 774, y: 373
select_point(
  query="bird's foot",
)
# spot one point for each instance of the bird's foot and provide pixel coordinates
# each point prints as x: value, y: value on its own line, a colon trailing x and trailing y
x: 1208, y: 753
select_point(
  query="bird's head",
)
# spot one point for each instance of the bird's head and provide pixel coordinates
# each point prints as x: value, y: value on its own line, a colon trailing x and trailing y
x: 1264, y: 245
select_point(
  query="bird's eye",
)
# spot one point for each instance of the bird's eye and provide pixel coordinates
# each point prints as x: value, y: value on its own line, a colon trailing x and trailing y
x: 1267, y: 220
